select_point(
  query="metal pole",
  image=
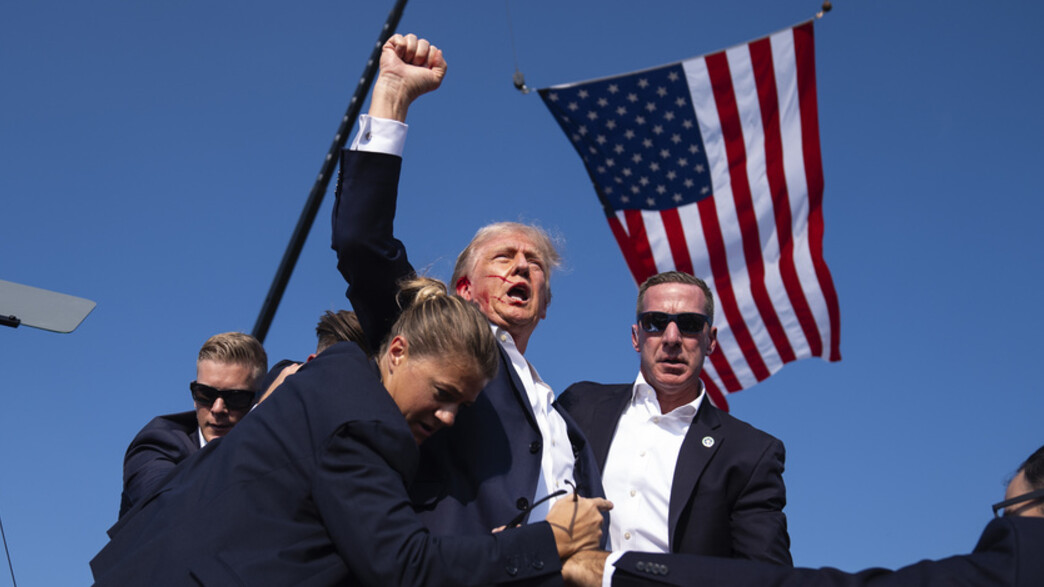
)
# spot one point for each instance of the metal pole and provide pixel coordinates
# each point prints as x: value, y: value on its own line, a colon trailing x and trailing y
x: 315, y: 198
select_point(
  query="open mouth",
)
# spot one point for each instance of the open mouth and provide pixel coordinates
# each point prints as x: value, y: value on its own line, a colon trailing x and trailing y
x: 519, y: 293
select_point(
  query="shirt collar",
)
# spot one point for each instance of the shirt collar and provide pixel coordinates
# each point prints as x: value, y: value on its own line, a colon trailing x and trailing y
x: 643, y: 393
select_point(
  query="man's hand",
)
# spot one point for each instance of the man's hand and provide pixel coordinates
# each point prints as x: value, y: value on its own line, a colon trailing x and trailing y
x: 577, y: 523
x: 584, y: 569
x: 409, y: 67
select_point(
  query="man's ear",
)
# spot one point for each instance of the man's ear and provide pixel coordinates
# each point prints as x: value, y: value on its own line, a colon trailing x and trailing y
x: 634, y: 338
x: 713, y: 345
x: 464, y: 288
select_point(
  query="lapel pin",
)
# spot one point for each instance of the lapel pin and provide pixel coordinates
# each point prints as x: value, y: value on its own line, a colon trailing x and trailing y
x: 708, y: 441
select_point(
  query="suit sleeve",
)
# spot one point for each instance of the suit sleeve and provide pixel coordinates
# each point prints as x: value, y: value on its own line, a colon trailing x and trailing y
x: 369, y: 257
x: 363, y: 502
x: 758, y: 524
x: 150, y: 458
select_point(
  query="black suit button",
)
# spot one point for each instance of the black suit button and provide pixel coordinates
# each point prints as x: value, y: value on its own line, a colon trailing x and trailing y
x: 535, y: 446
x: 665, y: 569
x: 512, y: 571
x: 522, y: 503
x: 538, y: 565
x: 640, y: 566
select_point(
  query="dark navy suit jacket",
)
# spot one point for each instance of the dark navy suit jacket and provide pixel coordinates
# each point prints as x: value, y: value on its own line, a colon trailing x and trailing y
x: 726, y: 499
x: 310, y: 490
x: 158, y: 447
x: 1008, y: 555
x: 480, y: 473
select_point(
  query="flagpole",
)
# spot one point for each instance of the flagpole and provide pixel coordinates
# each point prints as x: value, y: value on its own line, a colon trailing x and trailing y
x: 827, y: 6
x: 315, y: 197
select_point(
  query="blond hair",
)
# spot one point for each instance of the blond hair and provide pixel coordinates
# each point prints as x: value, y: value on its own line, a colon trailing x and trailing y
x: 237, y: 348
x: 538, y: 236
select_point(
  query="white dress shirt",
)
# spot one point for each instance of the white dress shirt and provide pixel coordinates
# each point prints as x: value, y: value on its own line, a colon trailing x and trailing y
x: 639, y: 469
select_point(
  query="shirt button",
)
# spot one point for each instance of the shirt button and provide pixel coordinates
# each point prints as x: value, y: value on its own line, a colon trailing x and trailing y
x: 627, y: 535
x: 503, y: 337
x: 641, y: 454
x: 522, y: 503
x: 633, y: 493
x: 656, y: 419
x: 535, y: 446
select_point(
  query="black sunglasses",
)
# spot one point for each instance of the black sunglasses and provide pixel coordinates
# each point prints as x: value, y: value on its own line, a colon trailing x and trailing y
x: 688, y: 322
x: 235, y: 399
x: 1007, y: 503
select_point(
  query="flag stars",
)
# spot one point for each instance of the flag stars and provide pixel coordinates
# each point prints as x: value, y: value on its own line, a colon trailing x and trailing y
x: 601, y: 169
x: 637, y: 158
x: 647, y: 143
x: 705, y: 190
x: 613, y: 88
x: 682, y: 162
x: 610, y: 162
x: 688, y: 183
x: 669, y: 116
x: 661, y: 190
x: 644, y: 181
x: 650, y: 201
x: 680, y: 101
x: 643, y: 83
x: 628, y: 134
x: 687, y: 124
x: 661, y: 91
x: 553, y: 96
x: 593, y: 150
x: 625, y: 199
x: 573, y: 106
x: 627, y: 172
x: 582, y: 130
x: 618, y: 149
x: 603, y: 102
x: 654, y: 167
x: 664, y: 153
x: 676, y: 138
x: 671, y: 175
x: 632, y: 97
x: 651, y: 107
x: 576, y: 137
x: 635, y: 190
x: 639, y: 120
x: 592, y: 115
x: 621, y: 111
x: 699, y: 168
x: 694, y: 149
x: 658, y: 129
x: 610, y: 124
x: 582, y: 93
x: 673, y: 76
x: 609, y: 189
x: 600, y: 139
x: 617, y: 179
x: 678, y: 197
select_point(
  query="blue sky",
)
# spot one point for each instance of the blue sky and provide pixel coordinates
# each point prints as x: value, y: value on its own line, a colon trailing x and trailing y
x: 154, y: 157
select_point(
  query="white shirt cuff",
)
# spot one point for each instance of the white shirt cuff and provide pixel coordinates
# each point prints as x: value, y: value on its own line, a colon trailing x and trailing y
x: 380, y: 135
x: 607, y: 572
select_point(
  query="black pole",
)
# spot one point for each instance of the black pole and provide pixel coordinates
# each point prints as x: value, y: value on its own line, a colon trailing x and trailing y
x: 315, y: 198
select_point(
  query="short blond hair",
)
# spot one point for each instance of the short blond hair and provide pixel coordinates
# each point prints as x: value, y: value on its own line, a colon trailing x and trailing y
x: 237, y: 348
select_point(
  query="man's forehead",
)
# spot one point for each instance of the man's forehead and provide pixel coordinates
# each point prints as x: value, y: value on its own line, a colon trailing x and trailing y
x: 510, y: 241
x: 677, y: 294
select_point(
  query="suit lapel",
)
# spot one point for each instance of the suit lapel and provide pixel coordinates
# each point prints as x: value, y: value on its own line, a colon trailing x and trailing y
x: 517, y: 386
x: 608, y: 410
x: 693, y: 458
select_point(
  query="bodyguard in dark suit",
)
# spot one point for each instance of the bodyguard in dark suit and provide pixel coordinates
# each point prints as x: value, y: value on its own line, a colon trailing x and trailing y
x: 683, y: 475
x: 229, y: 368
x: 511, y: 448
x: 311, y: 488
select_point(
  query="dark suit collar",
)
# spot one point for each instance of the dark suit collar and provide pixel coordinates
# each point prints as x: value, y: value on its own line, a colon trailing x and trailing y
x: 607, y: 407
x: 701, y: 442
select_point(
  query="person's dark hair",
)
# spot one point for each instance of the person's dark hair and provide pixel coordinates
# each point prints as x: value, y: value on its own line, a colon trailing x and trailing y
x: 338, y: 327
x: 437, y: 324
x: 1033, y: 469
x: 677, y: 277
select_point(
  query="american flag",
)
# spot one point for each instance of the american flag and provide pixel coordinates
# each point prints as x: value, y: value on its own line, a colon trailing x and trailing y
x: 712, y: 166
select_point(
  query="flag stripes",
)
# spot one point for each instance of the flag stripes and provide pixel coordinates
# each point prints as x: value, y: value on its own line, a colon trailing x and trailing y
x: 712, y: 166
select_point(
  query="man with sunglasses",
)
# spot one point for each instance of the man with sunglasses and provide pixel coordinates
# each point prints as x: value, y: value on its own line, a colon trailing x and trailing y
x: 229, y: 370
x: 684, y: 476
